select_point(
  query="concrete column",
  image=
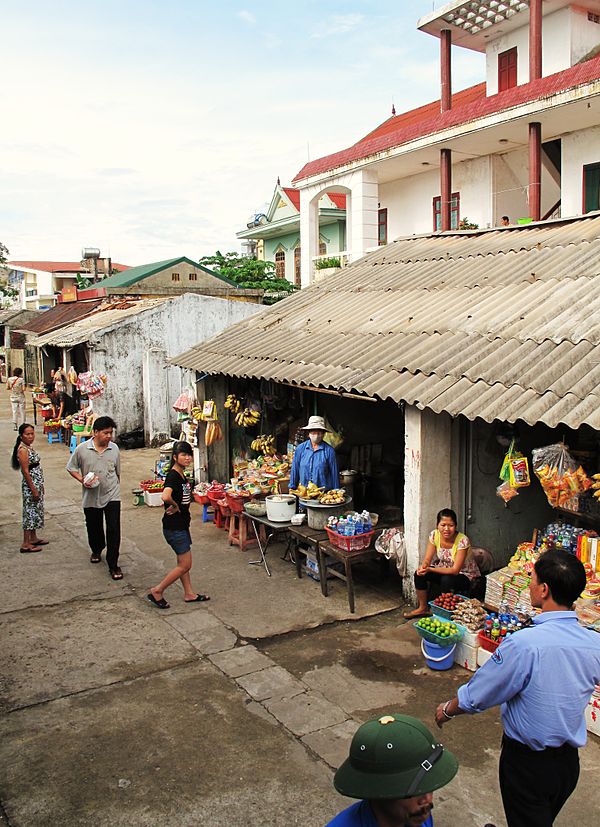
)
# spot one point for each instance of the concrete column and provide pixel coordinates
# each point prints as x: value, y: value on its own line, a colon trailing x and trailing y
x: 535, y: 39
x: 155, y: 387
x: 363, y: 216
x: 446, y: 188
x: 446, y: 69
x: 309, y: 234
x: 535, y: 170
x: 427, y: 489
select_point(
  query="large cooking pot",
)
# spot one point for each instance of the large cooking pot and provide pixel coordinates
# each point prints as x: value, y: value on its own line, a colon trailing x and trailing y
x: 280, y: 507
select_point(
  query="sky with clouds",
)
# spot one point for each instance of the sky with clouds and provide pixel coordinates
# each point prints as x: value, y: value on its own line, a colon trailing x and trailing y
x: 155, y: 129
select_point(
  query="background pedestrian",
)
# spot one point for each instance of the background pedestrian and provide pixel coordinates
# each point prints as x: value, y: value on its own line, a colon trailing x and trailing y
x: 32, y: 488
x: 96, y: 464
x: 16, y: 388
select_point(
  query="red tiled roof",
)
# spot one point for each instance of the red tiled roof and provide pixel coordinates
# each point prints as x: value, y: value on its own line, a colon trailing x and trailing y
x: 294, y: 196
x: 339, y: 199
x: 60, y: 315
x: 427, y: 120
x: 57, y: 266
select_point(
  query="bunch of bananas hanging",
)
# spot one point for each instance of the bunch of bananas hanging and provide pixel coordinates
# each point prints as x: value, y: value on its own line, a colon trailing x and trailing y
x: 233, y: 403
x: 213, y: 433
x: 197, y: 413
x: 596, y: 486
x: 247, y: 418
x: 264, y: 444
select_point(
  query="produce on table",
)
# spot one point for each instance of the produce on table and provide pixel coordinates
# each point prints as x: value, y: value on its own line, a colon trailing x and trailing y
x: 448, y: 601
x: 152, y: 486
x: 308, y: 492
x: 470, y: 613
x: 441, y: 628
x: 337, y: 496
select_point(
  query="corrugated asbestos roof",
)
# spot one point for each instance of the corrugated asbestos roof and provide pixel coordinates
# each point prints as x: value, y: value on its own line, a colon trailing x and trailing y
x: 104, y: 318
x: 498, y: 324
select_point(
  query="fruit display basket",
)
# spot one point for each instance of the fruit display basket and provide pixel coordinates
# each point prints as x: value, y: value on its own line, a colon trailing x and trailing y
x: 445, y: 613
x: 486, y: 643
x: 441, y: 640
x: 152, y: 486
x: 357, y: 542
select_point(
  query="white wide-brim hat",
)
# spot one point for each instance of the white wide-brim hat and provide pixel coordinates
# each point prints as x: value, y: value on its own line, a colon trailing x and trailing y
x: 315, y: 423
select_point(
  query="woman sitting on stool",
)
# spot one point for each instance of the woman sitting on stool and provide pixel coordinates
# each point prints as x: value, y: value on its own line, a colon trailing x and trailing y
x: 448, y: 564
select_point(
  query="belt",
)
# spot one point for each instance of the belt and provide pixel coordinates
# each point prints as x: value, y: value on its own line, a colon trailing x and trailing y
x: 512, y: 743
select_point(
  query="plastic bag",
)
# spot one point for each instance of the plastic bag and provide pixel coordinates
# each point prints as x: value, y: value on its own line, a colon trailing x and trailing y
x: 333, y: 437
x: 560, y: 476
x: 183, y: 403
x: 506, y: 492
x: 391, y: 544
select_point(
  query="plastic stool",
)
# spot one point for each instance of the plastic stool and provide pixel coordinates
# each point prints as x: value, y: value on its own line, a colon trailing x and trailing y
x: 54, y: 436
x: 239, y: 534
x: 207, y: 517
x: 77, y: 439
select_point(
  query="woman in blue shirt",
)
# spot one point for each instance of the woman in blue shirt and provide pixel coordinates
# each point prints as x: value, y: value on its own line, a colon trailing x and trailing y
x: 314, y: 460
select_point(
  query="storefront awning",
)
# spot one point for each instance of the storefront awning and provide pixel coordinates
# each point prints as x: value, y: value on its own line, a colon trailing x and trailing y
x: 497, y: 324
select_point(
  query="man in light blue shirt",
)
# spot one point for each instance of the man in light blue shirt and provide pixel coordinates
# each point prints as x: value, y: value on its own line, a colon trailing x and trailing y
x: 543, y: 677
x: 314, y: 460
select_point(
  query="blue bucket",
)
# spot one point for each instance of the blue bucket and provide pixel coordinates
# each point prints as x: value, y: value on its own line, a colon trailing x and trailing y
x: 438, y: 657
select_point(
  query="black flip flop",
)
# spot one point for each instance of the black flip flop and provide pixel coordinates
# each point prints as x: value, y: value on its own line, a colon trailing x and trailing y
x: 95, y: 558
x: 116, y: 574
x: 29, y: 550
x: 200, y: 598
x: 160, y: 604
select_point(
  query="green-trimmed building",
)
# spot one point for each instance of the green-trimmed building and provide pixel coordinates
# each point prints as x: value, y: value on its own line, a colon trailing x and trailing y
x: 276, y: 233
x: 169, y: 278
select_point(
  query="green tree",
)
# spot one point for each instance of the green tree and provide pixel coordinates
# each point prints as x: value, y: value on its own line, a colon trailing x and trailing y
x: 8, y: 294
x: 250, y: 273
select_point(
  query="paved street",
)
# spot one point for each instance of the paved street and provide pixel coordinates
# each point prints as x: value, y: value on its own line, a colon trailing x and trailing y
x: 232, y: 712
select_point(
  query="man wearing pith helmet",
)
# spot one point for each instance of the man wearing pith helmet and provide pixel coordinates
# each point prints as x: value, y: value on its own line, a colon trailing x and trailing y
x: 394, y: 766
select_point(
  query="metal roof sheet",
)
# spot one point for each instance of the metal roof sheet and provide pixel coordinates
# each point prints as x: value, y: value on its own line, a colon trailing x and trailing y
x: 104, y: 318
x: 61, y: 315
x: 500, y: 324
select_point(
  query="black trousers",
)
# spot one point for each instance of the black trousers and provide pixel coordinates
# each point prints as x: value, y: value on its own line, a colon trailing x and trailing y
x: 436, y: 583
x: 535, y: 785
x: 94, y: 522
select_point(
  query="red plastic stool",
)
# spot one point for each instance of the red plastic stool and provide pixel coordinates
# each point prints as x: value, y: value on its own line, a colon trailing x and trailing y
x: 225, y: 514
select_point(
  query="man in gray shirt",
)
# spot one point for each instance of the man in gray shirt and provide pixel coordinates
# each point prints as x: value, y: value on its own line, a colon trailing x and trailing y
x: 96, y: 464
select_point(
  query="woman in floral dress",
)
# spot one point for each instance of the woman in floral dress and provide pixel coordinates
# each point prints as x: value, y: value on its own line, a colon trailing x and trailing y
x: 32, y: 487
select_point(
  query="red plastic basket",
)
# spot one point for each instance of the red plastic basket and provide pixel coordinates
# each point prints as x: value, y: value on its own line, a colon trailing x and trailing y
x: 202, y: 499
x: 358, y: 542
x: 486, y: 643
x: 236, y: 502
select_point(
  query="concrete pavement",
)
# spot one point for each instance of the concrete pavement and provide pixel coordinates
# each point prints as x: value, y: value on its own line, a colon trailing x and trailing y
x: 225, y: 713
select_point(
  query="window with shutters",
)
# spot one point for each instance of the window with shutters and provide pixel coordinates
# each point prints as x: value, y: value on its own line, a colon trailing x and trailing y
x: 280, y: 264
x: 193, y: 277
x: 591, y: 187
x: 174, y: 276
x: 507, y: 69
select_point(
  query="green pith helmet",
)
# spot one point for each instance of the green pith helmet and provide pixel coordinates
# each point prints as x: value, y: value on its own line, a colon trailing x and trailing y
x: 394, y: 756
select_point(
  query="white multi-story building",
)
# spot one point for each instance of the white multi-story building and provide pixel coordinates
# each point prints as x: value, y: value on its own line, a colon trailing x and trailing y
x: 40, y: 282
x: 524, y: 144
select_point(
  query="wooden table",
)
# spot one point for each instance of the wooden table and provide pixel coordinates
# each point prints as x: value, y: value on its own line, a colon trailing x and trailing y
x: 349, y: 559
x: 312, y: 537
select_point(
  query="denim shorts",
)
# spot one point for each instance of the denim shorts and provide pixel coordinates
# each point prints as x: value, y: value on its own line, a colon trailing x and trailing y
x: 180, y: 541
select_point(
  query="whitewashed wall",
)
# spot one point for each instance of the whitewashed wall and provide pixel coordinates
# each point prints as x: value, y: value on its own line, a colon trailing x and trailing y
x: 175, y: 326
x: 578, y: 148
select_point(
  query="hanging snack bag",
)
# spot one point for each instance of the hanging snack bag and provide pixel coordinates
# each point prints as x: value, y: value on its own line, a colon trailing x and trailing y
x: 506, y: 492
x: 519, y: 472
x: 560, y: 476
